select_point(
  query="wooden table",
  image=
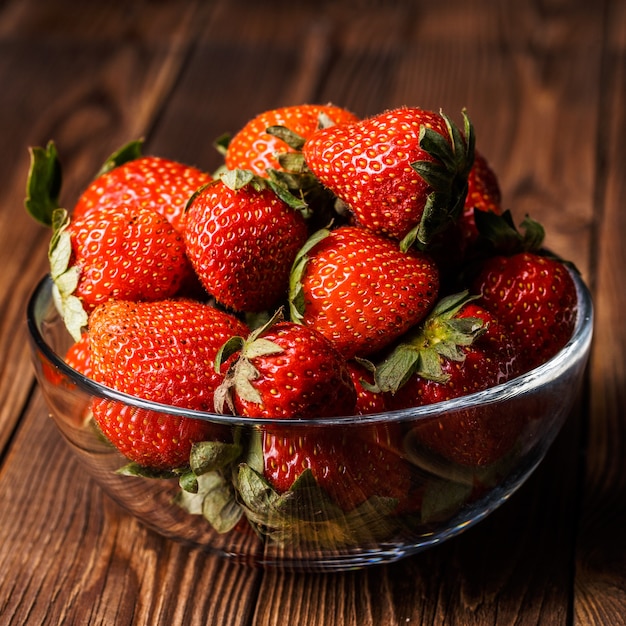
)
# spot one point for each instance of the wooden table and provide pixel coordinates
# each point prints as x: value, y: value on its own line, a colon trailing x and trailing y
x: 545, y: 85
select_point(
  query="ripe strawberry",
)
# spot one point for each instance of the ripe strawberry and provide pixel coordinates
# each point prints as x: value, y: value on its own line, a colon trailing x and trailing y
x: 122, y: 252
x: 535, y: 297
x: 483, y: 194
x: 402, y: 173
x: 368, y: 398
x: 473, y: 437
x: 164, y: 352
x: 242, y: 241
x: 78, y: 356
x: 460, y: 349
x: 350, y: 466
x: 254, y: 149
x: 284, y: 370
x: 359, y: 289
x: 143, y: 181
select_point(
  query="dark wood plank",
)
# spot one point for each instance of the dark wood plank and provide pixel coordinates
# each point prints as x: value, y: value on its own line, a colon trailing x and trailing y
x: 89, y: 80
x: 71, y: 556
x: 600, y: 583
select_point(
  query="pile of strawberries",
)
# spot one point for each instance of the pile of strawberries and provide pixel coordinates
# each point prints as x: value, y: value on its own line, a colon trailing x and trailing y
x: 333, y: 266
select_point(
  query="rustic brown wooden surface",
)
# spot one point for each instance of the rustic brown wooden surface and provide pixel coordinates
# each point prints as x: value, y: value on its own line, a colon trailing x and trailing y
x: 545, y: 85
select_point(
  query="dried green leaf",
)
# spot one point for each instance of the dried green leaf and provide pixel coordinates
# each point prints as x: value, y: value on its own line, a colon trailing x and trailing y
x: 208, y: 456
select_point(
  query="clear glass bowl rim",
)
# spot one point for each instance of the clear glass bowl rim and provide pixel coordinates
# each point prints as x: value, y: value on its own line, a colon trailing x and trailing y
x: 576, y: 348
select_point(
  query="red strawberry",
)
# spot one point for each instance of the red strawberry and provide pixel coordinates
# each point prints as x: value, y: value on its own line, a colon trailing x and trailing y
x: 368, y: 398
x: 164, y: 352
x: 242, y: 241
x: 402, y: 173
x: 122, y: 252
x: 155, y: 182
x: 284, y: 370
x: 483, y: 194
x: 472, y: 437
x: 349, y: 465
x: 535, y: 297
x: 254, y: 149
x: 460, y: 349
x: 112, y: 250
x: 78, y: 356
x: 359, y: 290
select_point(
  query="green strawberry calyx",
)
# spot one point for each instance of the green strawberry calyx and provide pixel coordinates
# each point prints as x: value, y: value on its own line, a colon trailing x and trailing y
x: 279, y: 183
x: 65, y: 276
x: 43, y: 184
x: 43, y: 189
x: 447, y: 175
x: 306, y: 515
x: 128, y: 152
x: 296, y: 294
x: 442, y: 335
x: 207, y: 488
x: 499, y: 234
x: 241, y: 371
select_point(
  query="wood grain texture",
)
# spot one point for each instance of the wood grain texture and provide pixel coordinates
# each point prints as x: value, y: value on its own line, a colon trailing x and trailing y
x: 76, y: 558
x: 90, y: 91
x: 545, y: 85
x: 600, y: 596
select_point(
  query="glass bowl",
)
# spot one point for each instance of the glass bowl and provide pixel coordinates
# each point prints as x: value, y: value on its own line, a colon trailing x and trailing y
x: 304, y: 529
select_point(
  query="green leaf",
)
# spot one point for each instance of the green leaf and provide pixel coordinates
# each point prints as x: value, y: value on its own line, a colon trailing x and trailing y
x: 287, y: 197
x: 43, y: 185
x: 438, y: 147
x: 305, y: 515
x: 244, y: 373
x: 295, y: 296
x: 534, y: 235
x: 254, y: 490
x: 294, y: 163
x: 230, y: 347
x: 499, y: 230
x: 222, y: 142
x: 325, y: 121
x: 188, y: 482
x: 306, y: 501
x: 74, y: 316
x: 134, y: 469
x: 435, y: 174
x: 429, y: 366
x: 260, y: 347
x: 67, y: 281
x: 208, y: 456
x: 397, y: 368
x: 220, y: 507
x: 434, y: 218
x: 60, y: 247
x: 237, y: 179
x: 470, y: 143
x: 451, y: 304
x: 128, y: 152
x: 214, y: 499
x: 292, y: 139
